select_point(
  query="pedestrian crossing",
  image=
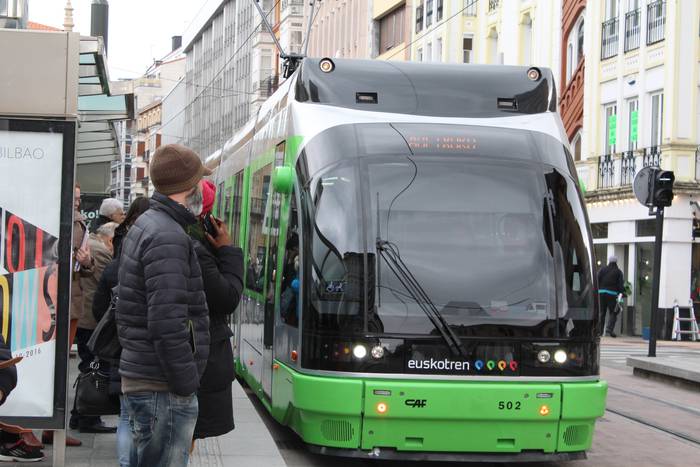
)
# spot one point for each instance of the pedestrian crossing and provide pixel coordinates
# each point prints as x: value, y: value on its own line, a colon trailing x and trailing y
x: 616, y: 355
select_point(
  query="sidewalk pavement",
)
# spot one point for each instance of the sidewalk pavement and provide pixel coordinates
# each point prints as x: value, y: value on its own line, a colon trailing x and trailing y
x: 249, y: 444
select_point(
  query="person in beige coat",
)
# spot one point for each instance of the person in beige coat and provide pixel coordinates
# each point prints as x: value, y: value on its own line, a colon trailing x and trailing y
x: 100, y: 245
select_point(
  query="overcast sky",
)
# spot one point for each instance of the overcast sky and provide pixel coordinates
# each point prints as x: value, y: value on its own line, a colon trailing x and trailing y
x: 139, y: 30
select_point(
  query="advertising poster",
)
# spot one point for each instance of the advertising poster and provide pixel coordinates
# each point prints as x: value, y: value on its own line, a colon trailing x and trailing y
x: 90, y: 207
x: 34, y: 262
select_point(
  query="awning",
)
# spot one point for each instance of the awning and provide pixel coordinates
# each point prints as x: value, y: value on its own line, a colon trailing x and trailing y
x: 98, y: 106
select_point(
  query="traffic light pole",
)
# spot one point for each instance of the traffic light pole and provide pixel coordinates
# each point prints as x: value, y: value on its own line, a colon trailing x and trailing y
x: 654, y: 318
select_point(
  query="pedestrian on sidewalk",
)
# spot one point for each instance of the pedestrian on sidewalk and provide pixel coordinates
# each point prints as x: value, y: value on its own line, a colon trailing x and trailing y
x: 611, y: 284
x: 100, y: 244
x: 162, y: 317
x: 222, y: 271
x: 111, y: 210
x: 101, y: 303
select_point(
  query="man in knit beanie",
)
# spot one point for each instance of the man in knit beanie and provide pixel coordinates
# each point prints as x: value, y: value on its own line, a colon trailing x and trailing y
x: 162, y: 316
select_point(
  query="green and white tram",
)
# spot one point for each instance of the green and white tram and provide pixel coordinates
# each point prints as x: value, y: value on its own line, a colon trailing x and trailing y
x: 419, y: 274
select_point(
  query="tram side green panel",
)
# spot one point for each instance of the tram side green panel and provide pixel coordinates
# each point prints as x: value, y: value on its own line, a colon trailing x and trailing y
x: 323, y: 411
x: 582, y: 404
x: 448, y: 416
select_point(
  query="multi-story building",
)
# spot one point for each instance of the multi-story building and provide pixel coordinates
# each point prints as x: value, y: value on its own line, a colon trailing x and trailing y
x: 572, y: 71
x: 641, y: 109
x: 161, y: 77
x: 342, y: 29
x: 391, y: 31
x: 515, y: 32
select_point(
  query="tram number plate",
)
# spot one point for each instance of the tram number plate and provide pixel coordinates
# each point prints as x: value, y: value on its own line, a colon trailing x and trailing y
x: 508, y: 405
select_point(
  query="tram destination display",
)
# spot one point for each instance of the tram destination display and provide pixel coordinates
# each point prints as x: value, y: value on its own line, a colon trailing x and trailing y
x: 35, y: 222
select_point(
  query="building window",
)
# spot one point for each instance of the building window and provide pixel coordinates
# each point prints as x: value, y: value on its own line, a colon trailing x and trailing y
x: 438, y: 11
x: 632, y: 26
x: 599, y: 230
x: 646, y: 228
x: 391, y: 30
x: 470, y: 7
x: 419, y: 55
x: 657, y: 118
x: 429, y: 52
x: 526, y: 40
x: 610, y: 128
x: 576, y: 146
x: 632, y: 124
x: 438, y: 50
x: 579, y: 39
x: 610, y: 30
x: 656, y: 19
x: 428, y: 13
x: 492, y: 46
x: 419, y: 18
x: 467, y: 47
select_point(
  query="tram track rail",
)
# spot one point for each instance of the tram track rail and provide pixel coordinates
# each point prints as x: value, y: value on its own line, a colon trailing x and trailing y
x: 651, y: 424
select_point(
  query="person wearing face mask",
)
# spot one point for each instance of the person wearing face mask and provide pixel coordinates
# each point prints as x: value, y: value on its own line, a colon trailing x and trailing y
x: 161, y: 314
x: 222, y: 270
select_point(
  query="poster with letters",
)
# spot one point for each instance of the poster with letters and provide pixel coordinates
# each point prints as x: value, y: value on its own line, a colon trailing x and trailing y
x: 36, y: 192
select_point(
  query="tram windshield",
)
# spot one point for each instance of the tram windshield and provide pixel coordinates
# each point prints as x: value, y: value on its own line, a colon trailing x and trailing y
x: 439, y: 226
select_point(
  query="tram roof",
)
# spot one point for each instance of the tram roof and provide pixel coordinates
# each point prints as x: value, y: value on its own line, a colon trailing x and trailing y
x: 439, y: 90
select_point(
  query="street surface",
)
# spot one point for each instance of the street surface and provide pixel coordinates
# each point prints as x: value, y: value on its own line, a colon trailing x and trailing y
x: 623, y: 436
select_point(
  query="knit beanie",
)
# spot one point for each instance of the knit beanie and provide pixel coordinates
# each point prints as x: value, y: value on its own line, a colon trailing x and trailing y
x: 176, y: 169
x: 208, y: 196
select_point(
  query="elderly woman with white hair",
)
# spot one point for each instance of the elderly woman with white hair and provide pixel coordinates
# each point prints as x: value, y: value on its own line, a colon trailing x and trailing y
x: 111, y: 210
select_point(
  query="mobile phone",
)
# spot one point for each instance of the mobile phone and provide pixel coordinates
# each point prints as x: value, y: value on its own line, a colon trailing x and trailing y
x: 208, y: 223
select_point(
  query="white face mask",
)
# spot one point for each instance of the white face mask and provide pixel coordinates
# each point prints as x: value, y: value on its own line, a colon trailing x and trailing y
x: 195, y: 202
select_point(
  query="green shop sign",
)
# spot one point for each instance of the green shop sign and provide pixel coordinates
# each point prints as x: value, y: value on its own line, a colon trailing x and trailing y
x: 633, y: 126
x: 612, y: 130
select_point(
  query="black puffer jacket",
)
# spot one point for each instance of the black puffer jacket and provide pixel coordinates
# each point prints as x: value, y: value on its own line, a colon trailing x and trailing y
x: 162, y: 316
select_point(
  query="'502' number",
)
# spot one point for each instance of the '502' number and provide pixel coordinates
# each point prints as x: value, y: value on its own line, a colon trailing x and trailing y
x: 508, y: 405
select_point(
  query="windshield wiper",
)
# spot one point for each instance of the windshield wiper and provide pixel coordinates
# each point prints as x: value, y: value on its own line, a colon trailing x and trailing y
x: 390, y: 253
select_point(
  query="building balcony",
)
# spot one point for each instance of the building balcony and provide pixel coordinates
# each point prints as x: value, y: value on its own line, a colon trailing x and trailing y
x: 493, y: 5
x: 610, y: 37
x: 633, y: 29
x: 470, y: 8
x: 611, y: 176
x: 656, y: 21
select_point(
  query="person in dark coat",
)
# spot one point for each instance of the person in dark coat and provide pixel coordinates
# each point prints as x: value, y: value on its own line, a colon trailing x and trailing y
x: 611, y: 284
x: 100, y: 304
x: 222, y: 270
x: 161, y: 313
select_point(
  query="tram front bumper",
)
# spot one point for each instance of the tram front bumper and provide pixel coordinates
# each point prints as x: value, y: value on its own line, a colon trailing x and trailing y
x: 443, y: 416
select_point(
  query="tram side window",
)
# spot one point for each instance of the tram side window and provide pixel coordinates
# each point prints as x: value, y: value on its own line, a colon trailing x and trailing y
x: 289, y: 296
x: 574, y: 256
x: 259, y: 192
x: 237, y: 203
x: 220, y: 201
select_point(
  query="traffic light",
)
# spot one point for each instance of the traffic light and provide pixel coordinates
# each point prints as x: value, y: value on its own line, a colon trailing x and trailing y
x: 662, y: 193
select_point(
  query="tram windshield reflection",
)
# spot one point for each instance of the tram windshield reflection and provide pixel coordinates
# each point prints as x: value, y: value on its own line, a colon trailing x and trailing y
x: 471, y: 223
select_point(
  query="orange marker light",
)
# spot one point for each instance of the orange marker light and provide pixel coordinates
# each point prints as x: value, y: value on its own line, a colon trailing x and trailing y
x: 275, y: 366
x: 544, y: 410
x: 294, y: 355
x: 382, y: 408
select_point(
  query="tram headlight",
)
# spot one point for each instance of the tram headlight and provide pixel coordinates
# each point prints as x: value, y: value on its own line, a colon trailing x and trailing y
x: 326, y: 65
x: 377, y: 352
x: 359, y: 351
x: 560, y: 356
x: 543, y: 356
x: 534, y: 74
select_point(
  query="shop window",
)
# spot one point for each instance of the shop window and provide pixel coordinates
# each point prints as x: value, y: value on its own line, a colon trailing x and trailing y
x: 599, y: 230
x: 646, y: 228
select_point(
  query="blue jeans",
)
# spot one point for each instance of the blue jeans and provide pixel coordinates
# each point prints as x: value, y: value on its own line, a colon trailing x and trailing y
x: 126, y: 451
x: 162, y: 424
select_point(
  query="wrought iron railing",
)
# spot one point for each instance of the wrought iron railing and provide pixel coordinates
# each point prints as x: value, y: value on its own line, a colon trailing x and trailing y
x: 493, y: 5
x: 632, y: 30
x: 656, y: 21
x: 470, y: 7
x: 619, y: 170
x: 609, y: 39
